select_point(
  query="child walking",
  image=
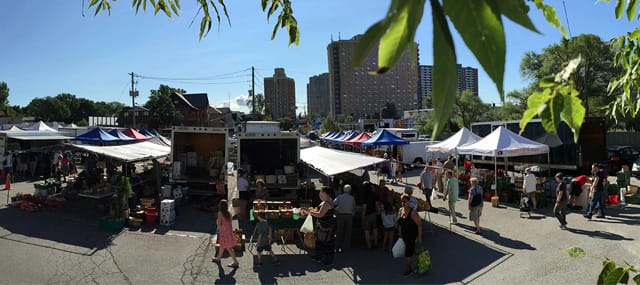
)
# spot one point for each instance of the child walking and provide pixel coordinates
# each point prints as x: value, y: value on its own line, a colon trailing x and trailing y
x: 264, y: 239
x: 388, y: 217
x: 225, y: 234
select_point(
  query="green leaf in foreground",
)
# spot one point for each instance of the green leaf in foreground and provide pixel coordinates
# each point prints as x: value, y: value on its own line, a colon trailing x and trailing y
x: 607, y: 266
x: 576, y: 252
x: 444, y: 69
x: 481, y: 29
x: 402, y: 28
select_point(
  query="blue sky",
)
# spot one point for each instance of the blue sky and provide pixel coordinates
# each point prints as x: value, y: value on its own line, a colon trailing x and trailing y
x: 50, y: 47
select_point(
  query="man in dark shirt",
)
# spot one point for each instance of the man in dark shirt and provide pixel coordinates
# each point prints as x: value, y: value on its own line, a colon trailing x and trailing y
x: 369, y: 214
x: 597, y: 191
x: 559, y: 210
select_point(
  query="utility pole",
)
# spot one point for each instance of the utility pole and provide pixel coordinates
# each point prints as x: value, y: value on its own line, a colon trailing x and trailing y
x: 133, y: 93
x: 253, y: 92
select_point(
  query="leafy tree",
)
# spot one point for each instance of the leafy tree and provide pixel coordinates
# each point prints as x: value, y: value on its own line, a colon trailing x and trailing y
x: 82, y: 123
x: 591, y: 77
x: 329, y: 125
x: 424, y: 124
x: 108, y: 109
x: 469, y: 108
x: 4, y: 94
x: 260, y: 104
x: 286, y: 123
x: 48, y: 109
x: 162, y: 112
x: 480, y: 25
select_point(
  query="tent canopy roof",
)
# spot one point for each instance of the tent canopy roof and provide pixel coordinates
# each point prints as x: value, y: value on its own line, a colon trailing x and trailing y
x: 463, y: 137
x: 36, y: 135
x: 97, y: 135
x: 359, y: 139
x: 129, y: 152
x: 132, y: 133
x: 504, y: 143
x: 384, y: 137
x: 332, y: 162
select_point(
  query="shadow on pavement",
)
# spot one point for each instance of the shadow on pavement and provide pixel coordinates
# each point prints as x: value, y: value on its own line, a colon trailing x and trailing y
x: 450, y: 252
x: 67, y: 226
x: 291, y: 265
x: 228, y: 278
x: 599, y: 234
x: 499, y: 239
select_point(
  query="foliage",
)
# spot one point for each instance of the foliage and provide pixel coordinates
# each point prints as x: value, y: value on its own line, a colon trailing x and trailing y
x: 611, y: 272
x: 559, y: 101
x: 4, y: 94
x: 625, y: 85
x: 162, y: 112
x: 344, y: 119
x: 304, y: 129
x: 423, y: 261
x: 469, y: 108
x: 82, y: 123
x: 591, y: 76
x: 66, y: 107
x: 424, y: 124
x: 329, y: 125
x: 124, y: 193
x: 48, y: 109
x: 480, y: 25
x: 286, y: 123
x: 260, y: 104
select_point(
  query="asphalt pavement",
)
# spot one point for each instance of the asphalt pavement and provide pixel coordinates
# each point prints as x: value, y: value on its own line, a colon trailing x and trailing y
x: 66, y: 246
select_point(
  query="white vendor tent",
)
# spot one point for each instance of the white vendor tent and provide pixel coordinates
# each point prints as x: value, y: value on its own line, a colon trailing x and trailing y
x: 40, y: 126
x: 129, y: 152
x: 332, y: 162
x: 504, y: 143
x: 463, y: 137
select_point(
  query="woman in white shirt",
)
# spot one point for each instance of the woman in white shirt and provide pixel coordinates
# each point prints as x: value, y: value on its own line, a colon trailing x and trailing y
x: 529, y: 186
x: 243, y: 193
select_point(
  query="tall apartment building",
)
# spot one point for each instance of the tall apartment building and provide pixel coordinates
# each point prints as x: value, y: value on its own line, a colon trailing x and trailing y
x: 280, y: 95
x: 318, y: 95
x: 467, y: 79
x: 355, y: 92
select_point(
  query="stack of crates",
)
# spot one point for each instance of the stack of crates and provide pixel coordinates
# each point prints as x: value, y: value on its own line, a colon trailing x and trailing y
x: 167, y: 212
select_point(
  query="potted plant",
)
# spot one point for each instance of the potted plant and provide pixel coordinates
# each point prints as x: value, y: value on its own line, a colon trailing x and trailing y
x: 124, y: 193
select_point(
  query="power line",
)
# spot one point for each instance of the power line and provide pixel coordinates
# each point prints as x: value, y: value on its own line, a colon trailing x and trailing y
x: 566, y: 17
x: 212, y: 77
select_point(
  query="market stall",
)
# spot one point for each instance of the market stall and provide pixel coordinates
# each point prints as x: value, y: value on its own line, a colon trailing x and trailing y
x: 503, y: 143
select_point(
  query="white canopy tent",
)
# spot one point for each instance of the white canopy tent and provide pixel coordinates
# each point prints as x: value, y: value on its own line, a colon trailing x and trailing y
x: 463, y: 137
x: 129, y: 152
x: 504, y: 143
x: 332, y: 162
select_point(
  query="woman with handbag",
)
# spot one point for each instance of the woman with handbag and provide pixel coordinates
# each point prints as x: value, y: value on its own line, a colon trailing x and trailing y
x: 325, y: 229
x: 475, y: 203
x: 410, y: 227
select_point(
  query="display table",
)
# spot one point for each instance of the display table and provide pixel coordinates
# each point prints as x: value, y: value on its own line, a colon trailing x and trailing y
x: 294, y: 222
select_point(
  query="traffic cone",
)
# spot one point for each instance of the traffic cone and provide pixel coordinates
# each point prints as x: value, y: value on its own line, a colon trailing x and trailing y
x: 7, y: 183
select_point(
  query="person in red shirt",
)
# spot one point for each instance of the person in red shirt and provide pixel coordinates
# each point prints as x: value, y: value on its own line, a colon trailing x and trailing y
x: 576, y: 190
x: 467, y: 165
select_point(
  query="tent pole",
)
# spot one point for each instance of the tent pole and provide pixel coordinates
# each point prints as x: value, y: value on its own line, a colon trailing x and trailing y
x: 548, y: 165
x: 495, y: 173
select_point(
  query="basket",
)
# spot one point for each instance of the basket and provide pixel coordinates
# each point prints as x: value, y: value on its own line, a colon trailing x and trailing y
x: 147, y: 201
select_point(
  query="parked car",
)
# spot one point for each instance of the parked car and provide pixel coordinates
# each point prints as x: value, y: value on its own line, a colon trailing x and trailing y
x: 617, y: 156
x: 635, y: 169
x: 313, y: 135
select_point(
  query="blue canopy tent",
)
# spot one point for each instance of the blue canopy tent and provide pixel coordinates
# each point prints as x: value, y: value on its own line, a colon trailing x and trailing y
x: 335, y: 135
x: 329, y: 134
x: 347, y: 137
x: 384, y: 137
x: 146, y: 133
x: 118, y: 134
x: 336, y: 139
x: 97, y: 135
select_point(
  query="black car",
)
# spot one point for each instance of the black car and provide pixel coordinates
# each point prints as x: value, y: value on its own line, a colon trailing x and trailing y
x: 617, y: 156
x: 313, y: 135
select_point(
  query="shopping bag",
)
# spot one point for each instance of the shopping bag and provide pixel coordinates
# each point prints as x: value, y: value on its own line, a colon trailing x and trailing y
x: 423, y: 261
x: 398, y: 248
x: 307, y: 226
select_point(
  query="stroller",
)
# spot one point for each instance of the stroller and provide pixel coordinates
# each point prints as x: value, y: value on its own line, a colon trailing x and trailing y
x: 525, y: 209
